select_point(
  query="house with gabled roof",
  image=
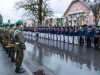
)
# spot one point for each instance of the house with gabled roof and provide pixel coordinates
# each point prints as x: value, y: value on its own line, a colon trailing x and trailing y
x: 79, y: 13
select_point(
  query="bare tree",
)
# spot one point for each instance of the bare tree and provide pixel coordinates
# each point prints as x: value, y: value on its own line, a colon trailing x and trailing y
x: 38, y: 8
x: 96, y: 12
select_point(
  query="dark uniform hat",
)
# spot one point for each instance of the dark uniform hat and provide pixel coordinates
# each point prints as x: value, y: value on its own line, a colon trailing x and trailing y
x: 12, y: 24
x: 19, y: 22
x: 7, y: 24
x: 4, y: 24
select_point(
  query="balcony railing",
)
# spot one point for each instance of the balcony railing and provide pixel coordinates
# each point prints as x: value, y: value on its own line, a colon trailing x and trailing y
x: 75, y: 18
x: 75, y: 12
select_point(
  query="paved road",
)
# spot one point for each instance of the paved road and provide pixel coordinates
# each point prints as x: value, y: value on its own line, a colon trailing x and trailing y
x: 6, y: 67
x: 56, y: 58
x: 63, y: 58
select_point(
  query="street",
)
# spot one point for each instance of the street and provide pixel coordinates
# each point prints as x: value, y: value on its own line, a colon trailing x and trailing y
x: 62, y: 58
x: 55, y: 58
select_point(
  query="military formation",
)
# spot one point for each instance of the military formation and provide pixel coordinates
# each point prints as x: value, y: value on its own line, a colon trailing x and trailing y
x: 13, y: 42
x: 73, y: 35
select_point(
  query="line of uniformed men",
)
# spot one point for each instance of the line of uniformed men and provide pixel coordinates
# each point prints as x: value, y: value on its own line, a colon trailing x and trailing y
x: 13, y: 41
x: 69, y: 34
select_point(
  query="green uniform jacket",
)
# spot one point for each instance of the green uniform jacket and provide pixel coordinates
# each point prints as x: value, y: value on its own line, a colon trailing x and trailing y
x: 19, y: 38
x: 7, y: 36
x: 12, y: 40
x: 3, y: 31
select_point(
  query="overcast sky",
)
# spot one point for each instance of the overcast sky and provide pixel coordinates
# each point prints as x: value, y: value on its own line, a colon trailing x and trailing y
x: 7, y: 9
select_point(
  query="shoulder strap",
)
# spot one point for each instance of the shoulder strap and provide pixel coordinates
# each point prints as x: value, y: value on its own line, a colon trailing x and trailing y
x: 16, y: 32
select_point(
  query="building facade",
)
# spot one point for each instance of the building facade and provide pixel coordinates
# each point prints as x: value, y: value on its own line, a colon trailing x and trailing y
x: 79, y: 13
x: 30, y: 23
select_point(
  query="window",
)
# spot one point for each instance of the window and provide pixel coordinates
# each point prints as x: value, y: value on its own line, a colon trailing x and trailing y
x: 70, y: 10
x: 78, y: 3
x: 82, y: 8
x: 87, y: 14
x: 87, y: 22
x: 76, y: 9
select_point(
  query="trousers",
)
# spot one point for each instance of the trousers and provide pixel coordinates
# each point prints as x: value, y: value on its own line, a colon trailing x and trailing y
x: 19, y: 58
x: 96, y: 43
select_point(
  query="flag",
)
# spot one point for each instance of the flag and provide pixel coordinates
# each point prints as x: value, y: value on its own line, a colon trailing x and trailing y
x: 63, y: 24
x: 81, y: 19
x: 72, y: 20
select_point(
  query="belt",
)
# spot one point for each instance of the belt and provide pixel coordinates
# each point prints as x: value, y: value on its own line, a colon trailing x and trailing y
x: 96, y: 35
x: 17, y: 43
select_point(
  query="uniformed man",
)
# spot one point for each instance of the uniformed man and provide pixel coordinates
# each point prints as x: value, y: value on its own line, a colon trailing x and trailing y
x: 82, y: 34
x: 32, y: 31
x: 66, y: 34
x: 50, y: 33
x: 71, y: 35
x: 55, y: 33
x: 0, y: 32
x: 58, y: 34
x: 62, y: 34
x: 7, y: 37
x: 47, y: 33
x: 19, y: 46
x: 76, y: 34
x: 12, y: 41
x: 88, y: 37
x: 96, y: 38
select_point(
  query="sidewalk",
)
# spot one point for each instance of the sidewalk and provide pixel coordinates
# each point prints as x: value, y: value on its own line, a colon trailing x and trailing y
x: 6, y: 67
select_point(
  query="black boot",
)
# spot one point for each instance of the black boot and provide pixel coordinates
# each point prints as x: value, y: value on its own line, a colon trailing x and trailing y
x: 9, y: 55
x: 19, y: 70
x: 13, y: 59
x: 7, y: 52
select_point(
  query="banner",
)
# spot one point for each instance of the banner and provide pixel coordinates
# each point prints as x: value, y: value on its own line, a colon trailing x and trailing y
x: 81, y: 19
x: 66, y: 20
x: 62, y: 22
x: 72, y: 20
